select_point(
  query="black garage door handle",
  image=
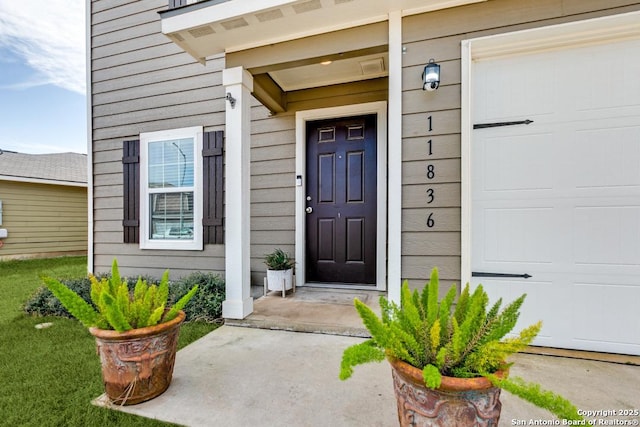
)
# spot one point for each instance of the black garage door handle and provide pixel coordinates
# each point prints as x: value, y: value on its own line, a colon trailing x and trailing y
x: 499, y: 124
x: 480, y: 274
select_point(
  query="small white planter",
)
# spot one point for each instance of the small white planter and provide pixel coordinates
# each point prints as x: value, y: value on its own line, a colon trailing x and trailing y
x: 280, y: 280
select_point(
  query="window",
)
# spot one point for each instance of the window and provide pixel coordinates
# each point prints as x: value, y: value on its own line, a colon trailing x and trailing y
x: 171, y: 189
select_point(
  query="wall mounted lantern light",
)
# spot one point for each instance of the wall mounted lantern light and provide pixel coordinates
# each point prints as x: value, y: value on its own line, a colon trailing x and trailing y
x: 431, y: 76
x: 231, y: 99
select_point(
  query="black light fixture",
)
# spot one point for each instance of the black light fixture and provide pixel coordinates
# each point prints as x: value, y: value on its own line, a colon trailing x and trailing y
x: 231, y: 99
x: 431, y: 76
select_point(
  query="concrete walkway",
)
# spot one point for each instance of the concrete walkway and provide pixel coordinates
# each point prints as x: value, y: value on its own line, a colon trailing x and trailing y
x: 242, y: 376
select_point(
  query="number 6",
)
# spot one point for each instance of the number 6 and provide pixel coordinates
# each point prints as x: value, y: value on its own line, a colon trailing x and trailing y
x: 430, y: 221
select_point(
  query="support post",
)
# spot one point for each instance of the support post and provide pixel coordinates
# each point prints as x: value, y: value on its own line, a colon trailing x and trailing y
x: 238, y: 85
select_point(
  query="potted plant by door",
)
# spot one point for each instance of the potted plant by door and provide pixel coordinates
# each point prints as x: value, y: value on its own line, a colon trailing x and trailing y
x: 449, y: 364
x: 136, y: 333
x: 279, y: 271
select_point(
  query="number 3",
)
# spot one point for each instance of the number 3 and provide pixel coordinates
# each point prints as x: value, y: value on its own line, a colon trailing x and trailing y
x: 430, y: 195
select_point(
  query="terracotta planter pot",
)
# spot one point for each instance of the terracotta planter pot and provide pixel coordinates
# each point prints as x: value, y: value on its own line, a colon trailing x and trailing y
x: 458, y: 402
x: 137, y: 365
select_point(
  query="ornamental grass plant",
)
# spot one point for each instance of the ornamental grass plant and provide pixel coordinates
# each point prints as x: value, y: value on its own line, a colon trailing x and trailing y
x: 33, y: 361
x: 117, y: 307
x: 464, y: 341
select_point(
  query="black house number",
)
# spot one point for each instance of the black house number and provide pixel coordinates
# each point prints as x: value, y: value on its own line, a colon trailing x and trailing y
x: 430, y: 195
x: 431, y: 173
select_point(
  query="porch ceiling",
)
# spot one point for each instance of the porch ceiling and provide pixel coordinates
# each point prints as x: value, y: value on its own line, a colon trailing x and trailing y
x: 210, y: 27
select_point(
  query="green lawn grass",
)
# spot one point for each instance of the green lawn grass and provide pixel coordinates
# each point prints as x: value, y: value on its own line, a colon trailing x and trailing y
x: 48, y: 377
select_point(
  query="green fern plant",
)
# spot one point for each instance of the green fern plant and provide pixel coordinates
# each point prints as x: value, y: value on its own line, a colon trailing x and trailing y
x: 279, y: 260
x: 118, y: 308
x: 465, y: 342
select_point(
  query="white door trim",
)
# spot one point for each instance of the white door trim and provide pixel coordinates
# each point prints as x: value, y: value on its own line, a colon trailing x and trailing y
x: 379, y: 108
x: 553, y: 37
x: 394, y: 250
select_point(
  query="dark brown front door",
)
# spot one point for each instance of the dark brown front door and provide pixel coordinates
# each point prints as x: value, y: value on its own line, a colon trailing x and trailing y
x: 341, y: 200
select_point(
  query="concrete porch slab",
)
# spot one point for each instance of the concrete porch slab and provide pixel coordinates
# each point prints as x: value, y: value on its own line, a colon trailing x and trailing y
x: 250, y: 377
x: 245, y: 377
x: 268, y: 373
x: 317, y: 310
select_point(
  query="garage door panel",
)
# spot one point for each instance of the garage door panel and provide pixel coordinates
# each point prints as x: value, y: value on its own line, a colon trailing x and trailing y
x: 612, y: 60
x: 518, y: 235
x: 607, y: 235
x: 617, y: 163
x: 512, y: 160
x: 559, y: 199
x: 616, y: 300
x: 501, y: 90
x: 511, y: 289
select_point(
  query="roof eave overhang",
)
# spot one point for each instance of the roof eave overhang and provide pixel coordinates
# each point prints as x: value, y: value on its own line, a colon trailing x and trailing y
x: 213, y: 27
x: 42, y: 181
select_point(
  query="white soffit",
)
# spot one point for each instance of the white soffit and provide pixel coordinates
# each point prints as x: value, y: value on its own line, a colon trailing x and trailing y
x: 236, y: 25
x: 336, y: 72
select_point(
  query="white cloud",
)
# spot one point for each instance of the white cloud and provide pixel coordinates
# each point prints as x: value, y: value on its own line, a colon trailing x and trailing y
x: 25, y: 84
x: 50, y: 37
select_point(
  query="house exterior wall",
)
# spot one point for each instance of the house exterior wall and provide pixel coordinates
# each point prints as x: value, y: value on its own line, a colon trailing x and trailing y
x: 43, y: 220
x: 142, y: 82
x: 273, y: 165
x: 438, y: 35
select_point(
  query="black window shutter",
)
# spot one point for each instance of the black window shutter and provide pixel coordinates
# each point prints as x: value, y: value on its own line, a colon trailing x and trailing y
x: 213, y: 187
x: 131, y: 190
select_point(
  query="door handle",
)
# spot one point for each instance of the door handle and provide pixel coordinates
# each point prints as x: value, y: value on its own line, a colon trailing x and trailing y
x: 309, y: 209
x: 480, y: 274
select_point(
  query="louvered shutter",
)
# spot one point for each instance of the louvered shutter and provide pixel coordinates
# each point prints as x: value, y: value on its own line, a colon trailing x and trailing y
x: 177, y: 3
x: 213, y: 203
x: 131, y: 190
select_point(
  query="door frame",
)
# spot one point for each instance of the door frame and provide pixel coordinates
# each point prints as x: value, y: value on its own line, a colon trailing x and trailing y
x: 302, y: 117
x: 552, y: 37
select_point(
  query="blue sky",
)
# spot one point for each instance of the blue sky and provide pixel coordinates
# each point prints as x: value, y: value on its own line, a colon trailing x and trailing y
x: 42, y: 76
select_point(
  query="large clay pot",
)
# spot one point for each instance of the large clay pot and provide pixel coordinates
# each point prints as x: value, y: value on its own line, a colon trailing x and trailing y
x: 137, y: 365
x: 458, y: 402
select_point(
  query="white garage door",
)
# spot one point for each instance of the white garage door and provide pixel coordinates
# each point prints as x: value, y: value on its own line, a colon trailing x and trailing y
x: 559, y: 199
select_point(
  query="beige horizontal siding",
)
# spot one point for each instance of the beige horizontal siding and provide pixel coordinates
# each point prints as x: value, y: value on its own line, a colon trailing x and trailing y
x: 272, y: 188
x: 418, y: 195
x: 343, y: 94
x: 179, y: 263
x: 143, y: 82
x: 273, y: 166
x: 43, y: 220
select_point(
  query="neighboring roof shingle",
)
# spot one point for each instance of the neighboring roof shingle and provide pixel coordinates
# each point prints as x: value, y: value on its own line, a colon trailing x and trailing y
x: 61, y: 167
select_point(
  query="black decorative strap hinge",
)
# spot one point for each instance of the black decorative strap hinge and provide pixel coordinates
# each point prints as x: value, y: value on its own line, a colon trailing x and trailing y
x: 499, y: 124
x: 509, y: 275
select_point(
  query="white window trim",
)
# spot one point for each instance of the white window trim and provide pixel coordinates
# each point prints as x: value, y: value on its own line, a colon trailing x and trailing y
x: 146, y: 138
